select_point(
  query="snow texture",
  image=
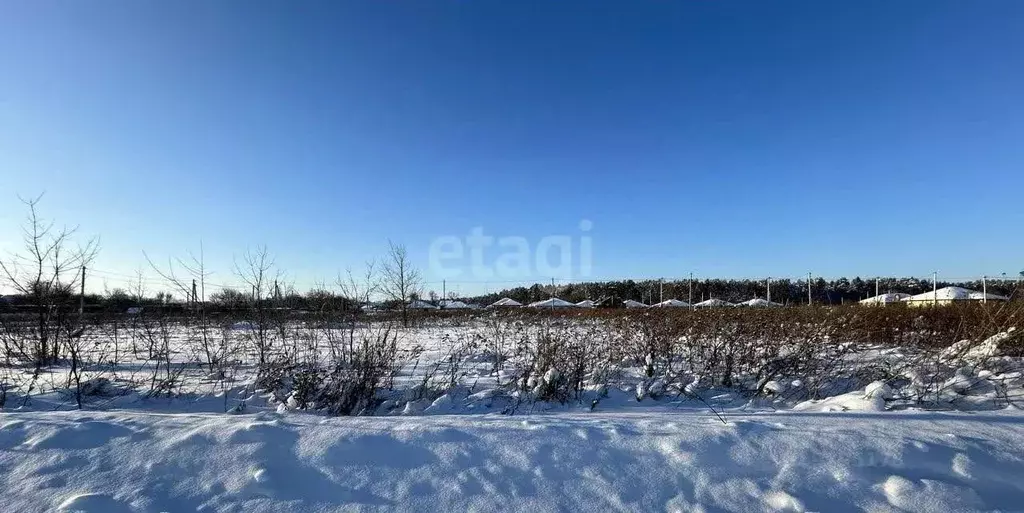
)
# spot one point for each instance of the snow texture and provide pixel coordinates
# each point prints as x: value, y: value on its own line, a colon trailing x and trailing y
x: 688, y: 460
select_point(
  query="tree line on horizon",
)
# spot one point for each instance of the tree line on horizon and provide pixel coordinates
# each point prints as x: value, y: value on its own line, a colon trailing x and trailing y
x: 785, y: 291
x: 47, y: 273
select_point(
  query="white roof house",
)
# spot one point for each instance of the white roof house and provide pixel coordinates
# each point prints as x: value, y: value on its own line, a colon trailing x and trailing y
x: 981, y: 296
x: 629, y: 303
x: 418, y: 304
x: 759, y: 303
x: 884, y: 299
x: 553, y: 303
x: 506, y: 301
x: 586, y: 303
x: 454, y: 304
x: 947, y: 295
x: 671, y: 303
x: 713, y: 302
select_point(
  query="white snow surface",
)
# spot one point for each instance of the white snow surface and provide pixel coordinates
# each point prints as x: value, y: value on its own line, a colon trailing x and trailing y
x: 506, y: 301
x: 653, y: 460
x: 713, y: 302
x: 674, y: 303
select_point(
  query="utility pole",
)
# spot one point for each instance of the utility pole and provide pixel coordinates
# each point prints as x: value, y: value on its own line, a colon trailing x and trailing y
x: 769, y: 283
x: 984, y: 289
x: 195, y: 297
x: 935, y: 287
x: 444, y: 292
x: 690, y: 284
x: 661, y: 290
x: 810, y: 299
x: 552, y: 288
x: 81, y: 296
x: 876, y: 287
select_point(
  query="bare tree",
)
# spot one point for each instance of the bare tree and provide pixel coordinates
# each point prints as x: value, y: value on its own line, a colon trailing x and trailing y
x: 48, y: 272
x: 191, y: 285
x: 400, y: 280
x: 257, y: 271
x: 359, y: 289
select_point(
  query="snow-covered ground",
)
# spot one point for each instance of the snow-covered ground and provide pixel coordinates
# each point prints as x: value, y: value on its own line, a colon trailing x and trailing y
x: 486, y: 417
x: 657, y: 460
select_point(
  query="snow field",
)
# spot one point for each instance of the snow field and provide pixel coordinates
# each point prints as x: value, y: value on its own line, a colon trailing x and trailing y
x: 454, y: 369
x: 684, y: 460
x: 559, y: 416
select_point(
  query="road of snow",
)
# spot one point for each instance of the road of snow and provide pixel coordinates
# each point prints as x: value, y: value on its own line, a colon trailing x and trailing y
x: 594, y: 462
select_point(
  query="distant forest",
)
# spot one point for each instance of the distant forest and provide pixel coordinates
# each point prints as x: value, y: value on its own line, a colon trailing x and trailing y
x: 833, y: 292
x: 785, y: 291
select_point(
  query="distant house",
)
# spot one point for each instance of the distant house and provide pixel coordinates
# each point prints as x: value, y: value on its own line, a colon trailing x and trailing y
x: 419, y: 304
x: 884, y: 299
x: 713, y: 302
x: 586, y: 303
x: 454, y: 304
x: 553, y: 303
x: 671, y: 303
x: 759, y: 303
x: 950, y: 295
x: 629, y: 303
x: 505, y: 302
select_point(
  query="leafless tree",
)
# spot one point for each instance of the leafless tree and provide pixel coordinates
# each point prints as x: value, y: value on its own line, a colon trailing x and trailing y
x: 400, y: 280
x: 191, y: 284
x: 358, y: 290
x: 256, y: 269
x: 48, y: 272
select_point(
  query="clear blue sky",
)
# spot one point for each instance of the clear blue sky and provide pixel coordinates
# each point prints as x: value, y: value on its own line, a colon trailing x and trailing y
x: 726, y: 139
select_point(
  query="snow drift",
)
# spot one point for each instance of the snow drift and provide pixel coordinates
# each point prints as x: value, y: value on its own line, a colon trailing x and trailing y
x: 684, y: 460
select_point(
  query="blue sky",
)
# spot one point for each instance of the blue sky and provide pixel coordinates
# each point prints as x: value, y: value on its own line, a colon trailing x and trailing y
x: 728, y: 139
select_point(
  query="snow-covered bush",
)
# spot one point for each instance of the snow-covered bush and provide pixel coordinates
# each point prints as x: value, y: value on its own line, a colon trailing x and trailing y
x: 342, y: 387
